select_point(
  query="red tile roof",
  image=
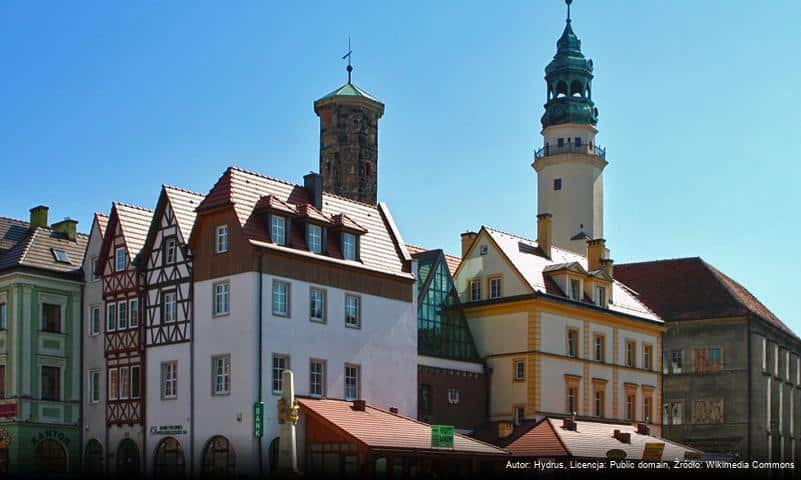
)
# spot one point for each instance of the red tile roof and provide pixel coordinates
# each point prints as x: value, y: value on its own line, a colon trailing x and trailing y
x: 135, y: 224
x: 690, y: 288
x: 102, y: 222
x: 381, y: 248
x: 376, y: 428
x: 184, y: 203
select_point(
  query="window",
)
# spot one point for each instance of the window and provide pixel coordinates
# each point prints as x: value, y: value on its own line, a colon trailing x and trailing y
x: 135, y: 381
x: 353, y: 314
x: 169, y: 380
x: 520, y: 370
x: 113, y: 384
x: 707, y: 360
x: 221, y: 375
x: 2, y: 381
x: 134, y: 312
x: 453, y: 396
x: 3, y: 316
x: 122, y: 315
x: 170, y: 302
x: 171, y: 251
x: 646, y: 408
x: 647, y: 356
x: 560, y: 142
x: 111, y: 317
x: 600, y: 348
x: 125, y: 383
x: 495, y: 287
x: 475, y: 290
x: 280, y: 363
x: 60, y: 256
x: 599, y: 403
x: 94, y: 386
x: 280, y: 298
x: 577, y: 141
x: 424, y: 400
x: 317, y: 305
x: 483, y: 250
x: 50, y: 457
x: 349, y: 246
x: 520, y: 415
x: 557, y: 184
x: 221, y: 299
x: 765, y: 355
x: 600, y: 296
x: 314, y: 238
x: 221, y: 239
x: 317, y: 378
x: 119, y: 259
x: 572, y: 396
x: 631, y: 348
x: 219, y: 458
x: 672, y: 412
x: 351, y: 382
x: 95, y: 276
x: 676, y: 361
x: 575, y: 289
x: 94, y: 320
x: 51, y: 384
x: 631, y: 400
x: 51, y: 318
x: 572, y: 343
x: 278, y: 229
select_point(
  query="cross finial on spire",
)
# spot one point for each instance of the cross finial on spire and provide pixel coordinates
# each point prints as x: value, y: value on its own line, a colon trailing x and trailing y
x: 568, y: 2
x: 349, y: 68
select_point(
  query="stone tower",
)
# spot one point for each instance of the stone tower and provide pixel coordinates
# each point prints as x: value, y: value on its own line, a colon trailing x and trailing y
x: 570, y: 164
x: 349, y: 142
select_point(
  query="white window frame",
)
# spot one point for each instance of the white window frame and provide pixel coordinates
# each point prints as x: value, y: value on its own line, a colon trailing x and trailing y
x: 223, y: 375
x: 520, y: 370
x: 352, y: 371
x: 630, y: 359
x: 493, y: 281
x: 348, y: 322
x: 119, y: 258
x: 171, y: 251
x: 110, y: 381
x: 94, y: 276
x: 124, y: 382
x: 275, y: 296
x: 314, y: 241
x: 169, y: 380
x: 453, y: 396
x: 475, y: 293
x: 280, y: 362
x: 221, y: 238
x: 122, y: 314
x: 111, y: 314
x: 599, y: 349
x: 600, y: 295
x: 317, y: 378
x: 94, y: 309
x: 93, y: 386
x: 322, y: 293
x: 350, y: 247
x: 134, y: 383
x: 133, y: 313
x: 170, y: 305
x: 221, y: 299
x: 278, y: 230
x: 574, y: 294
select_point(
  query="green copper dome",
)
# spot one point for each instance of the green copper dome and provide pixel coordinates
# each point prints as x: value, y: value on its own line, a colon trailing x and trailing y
x: 569, y: 81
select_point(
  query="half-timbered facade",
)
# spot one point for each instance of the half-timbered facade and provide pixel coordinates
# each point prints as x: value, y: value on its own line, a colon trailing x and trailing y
x: 124, y: 333
x: 166, y: 268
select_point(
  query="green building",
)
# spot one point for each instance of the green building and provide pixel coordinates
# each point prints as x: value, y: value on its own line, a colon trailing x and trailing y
x: 40, y: 322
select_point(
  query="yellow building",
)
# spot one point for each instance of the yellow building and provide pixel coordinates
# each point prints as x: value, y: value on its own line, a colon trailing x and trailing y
x: 559, y: 335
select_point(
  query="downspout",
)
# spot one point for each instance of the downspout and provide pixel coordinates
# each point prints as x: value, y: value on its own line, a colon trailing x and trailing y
x: 80, y: 384
x: 750, y: 398
x: 261, y: 355
x: 191, y: 367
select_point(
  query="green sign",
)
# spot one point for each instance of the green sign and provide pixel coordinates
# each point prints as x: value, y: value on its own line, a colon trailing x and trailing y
x: 258, y: 419
x: 441, y: 436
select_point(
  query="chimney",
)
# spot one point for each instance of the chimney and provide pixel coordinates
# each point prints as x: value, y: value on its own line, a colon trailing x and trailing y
x: 595, y: 252
x: 39, y: 216
x: 622, y: 437
x: 313, y: 183
x: 467, y: 241
x: 359, y: 405
x: 544, y: 233
x: 393, y: 410
x: 609, y: 266
x: 505, y: 429
x: 569, y: 424
x: 67, y: 227
x: 642, y: 429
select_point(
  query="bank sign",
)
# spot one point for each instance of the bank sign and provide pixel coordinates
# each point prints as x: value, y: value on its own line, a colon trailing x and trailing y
x: 168, y: 430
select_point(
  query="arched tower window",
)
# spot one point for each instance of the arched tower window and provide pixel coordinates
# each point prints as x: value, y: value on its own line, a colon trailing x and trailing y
x: 561, y: 89
x: 576, y: 89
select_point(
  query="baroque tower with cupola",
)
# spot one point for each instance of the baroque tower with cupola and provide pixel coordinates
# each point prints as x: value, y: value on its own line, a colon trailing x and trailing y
x: 349, y: 142
x: 570, y: 164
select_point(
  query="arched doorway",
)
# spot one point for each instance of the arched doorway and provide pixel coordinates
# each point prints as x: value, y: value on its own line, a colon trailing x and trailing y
x: 219, y: 458
x: 93, y: 458
x: 169, y: 461
x: 50, y: 457
x: 128, y: 463
x: 274, y: 446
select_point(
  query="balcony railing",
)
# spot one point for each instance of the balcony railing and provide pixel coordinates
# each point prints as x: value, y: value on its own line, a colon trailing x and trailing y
x: 586, y: 149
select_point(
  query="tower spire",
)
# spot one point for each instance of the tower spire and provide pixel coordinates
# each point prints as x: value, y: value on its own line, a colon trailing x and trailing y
x: 568, y: 2
x: 349, y: 68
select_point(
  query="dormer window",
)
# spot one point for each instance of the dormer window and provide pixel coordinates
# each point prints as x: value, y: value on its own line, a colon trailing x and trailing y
x: 575, y: 289
x: 314, y: 238
x: 171, y: 251
x: 600, y: 296
x: 349, y: 246
x: 119, y: 256
x: 221, y: 239
x: 278, y: 229
x: 60, y: 256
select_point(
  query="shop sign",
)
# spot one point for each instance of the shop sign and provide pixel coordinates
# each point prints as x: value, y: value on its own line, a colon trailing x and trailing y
x: 8, y: 410
x: 168, y: 430
x: 441, y: 436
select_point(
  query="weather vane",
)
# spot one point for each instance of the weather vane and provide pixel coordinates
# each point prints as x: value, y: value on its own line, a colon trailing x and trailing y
x: 348, y: 55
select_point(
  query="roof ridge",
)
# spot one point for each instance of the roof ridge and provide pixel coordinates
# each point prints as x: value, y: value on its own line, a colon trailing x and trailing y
x: 28, y: 243
x: 14, y: 220
x: 350, y: 200
x: 520, y: 237
x: 98, y: 214
x: 181, y: 189
x: 257, y: 174
x: 136, y: 207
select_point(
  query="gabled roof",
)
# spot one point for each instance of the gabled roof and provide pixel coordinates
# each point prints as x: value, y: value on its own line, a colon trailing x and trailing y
x: 526, y: 257
x: 134, y: 223
x: 184, y: 203
x: 690, y: 288
x: 376, y: 428
x: 102, y: 222
x: 20, y: 246
x: 451, y: 260
x: 590, y: 440
x: 381, y: 248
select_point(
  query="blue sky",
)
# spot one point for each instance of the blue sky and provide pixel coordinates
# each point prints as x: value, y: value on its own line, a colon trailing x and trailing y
x: 700, y: 107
